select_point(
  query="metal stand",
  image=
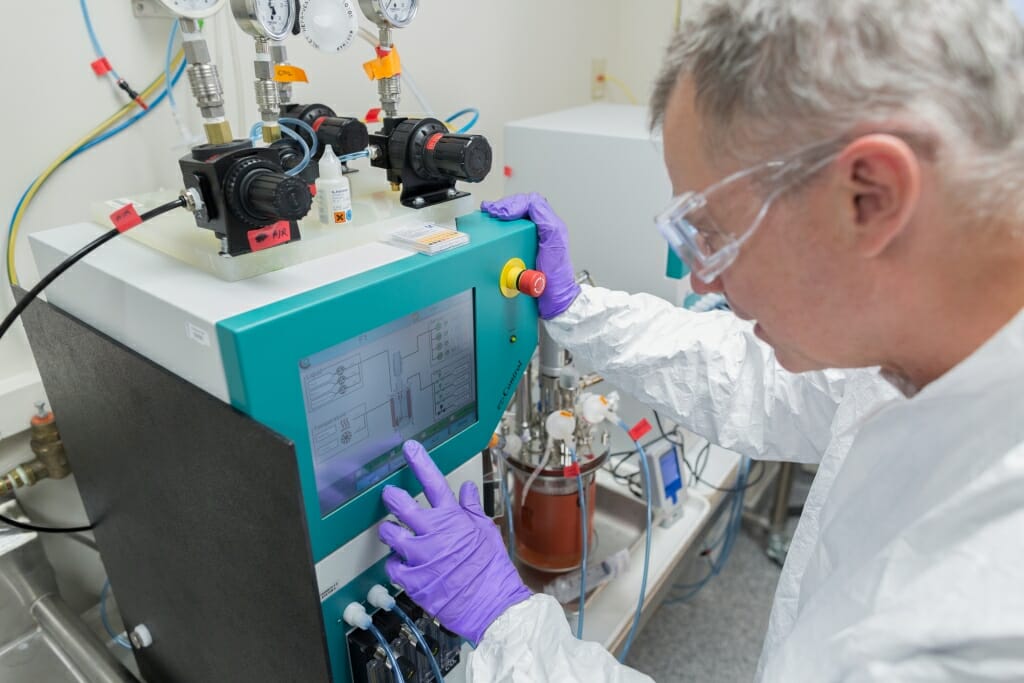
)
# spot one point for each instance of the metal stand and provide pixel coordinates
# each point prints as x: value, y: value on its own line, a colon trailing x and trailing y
x: 778, y: 542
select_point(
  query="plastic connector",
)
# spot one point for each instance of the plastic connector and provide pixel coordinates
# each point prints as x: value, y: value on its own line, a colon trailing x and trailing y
x: 386, y: 65
x: 379, y: 597
x: 355, y: 615
x: 561, y: 424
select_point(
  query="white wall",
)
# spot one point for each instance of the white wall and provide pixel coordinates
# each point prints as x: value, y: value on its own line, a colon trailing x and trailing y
x: 510, y: 58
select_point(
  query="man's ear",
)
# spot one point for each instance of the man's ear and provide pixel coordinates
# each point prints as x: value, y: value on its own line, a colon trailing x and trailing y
x: 880, y: 179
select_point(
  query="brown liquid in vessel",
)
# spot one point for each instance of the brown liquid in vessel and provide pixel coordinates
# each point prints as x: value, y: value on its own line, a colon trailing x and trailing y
x: 548, y: 527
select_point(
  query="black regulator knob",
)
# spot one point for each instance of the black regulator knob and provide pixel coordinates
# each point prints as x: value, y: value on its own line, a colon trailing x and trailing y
x: 465, y: 157
x: 431, y: 152
x: 308, y: 114
x: 259, y: 194
x: 345, y: 135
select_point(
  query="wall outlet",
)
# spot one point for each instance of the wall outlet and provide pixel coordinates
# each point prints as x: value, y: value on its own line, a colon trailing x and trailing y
x: 598, y: 85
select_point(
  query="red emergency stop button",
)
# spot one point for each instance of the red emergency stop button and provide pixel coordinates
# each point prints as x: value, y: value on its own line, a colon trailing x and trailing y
x: 532, y: 283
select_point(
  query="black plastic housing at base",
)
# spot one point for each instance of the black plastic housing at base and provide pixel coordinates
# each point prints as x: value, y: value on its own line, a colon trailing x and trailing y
x: 198, y: 512
x: 369, y: 665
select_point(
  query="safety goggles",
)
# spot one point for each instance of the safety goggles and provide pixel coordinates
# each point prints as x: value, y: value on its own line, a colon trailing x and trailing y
x: 706, y: 229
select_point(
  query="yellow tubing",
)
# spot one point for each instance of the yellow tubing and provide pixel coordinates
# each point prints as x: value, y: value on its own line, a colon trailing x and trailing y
x: 158, y: 82
x: 623, y: 87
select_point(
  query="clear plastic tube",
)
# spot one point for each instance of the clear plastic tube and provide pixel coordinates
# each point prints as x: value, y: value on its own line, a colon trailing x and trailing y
x: 254, y: 133
x: 647, y: 547
x: 345, y: 158
x: 409, y: 81
x: 306, y: 127
x: 187, y: 139
x: 536, y: 473
x: 566, y: 588
x: 584, y: 534
x: 438, y: 676
x: 387, y: 651
x: 119, y: 638
x: 508, y: 507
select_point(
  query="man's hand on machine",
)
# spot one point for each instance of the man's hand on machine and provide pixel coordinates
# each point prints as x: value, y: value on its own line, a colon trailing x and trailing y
x: 451, y: 559
x: 552, y: 248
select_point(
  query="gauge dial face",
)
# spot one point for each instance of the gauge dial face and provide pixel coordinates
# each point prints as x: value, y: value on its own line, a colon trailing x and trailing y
x: 194, y: 9
x: 329, y: 25
x: 276, y: 17
x: 399, y: 13
x: 265, y: 18
x: 393, y: 13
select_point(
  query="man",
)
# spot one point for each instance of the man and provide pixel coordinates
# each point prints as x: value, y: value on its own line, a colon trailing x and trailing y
x: 859, y: 175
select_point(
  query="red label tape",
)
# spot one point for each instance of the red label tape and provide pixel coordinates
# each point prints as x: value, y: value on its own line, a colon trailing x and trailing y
x: 101, y: 66
x: 572, y: 470
x: 270, y: 236
x: 640, y: 429
x: 125, y: 218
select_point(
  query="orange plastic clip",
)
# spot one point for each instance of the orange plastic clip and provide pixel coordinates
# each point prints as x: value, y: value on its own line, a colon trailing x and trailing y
x: 289, y: 73
x: 386, y: 65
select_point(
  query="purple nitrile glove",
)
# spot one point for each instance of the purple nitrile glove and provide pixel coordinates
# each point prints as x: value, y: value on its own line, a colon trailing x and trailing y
x: 552, y: 248
x: 451, y: 560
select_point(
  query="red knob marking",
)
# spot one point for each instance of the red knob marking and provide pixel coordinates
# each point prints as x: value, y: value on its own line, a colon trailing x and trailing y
x: 532, y: 283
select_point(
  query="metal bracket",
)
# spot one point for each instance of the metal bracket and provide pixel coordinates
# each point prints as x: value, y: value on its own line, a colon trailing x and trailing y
x: 150, y: 9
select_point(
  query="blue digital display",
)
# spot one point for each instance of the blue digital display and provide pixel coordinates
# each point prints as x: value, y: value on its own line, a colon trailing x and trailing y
x: 671, y: 477
x: 413, y: 378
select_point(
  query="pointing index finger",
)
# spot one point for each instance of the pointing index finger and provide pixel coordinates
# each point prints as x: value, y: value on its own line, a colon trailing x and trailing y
x: 435, y: 486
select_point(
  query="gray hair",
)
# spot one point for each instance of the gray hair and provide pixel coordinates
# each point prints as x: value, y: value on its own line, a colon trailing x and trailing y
x: 802, y: 71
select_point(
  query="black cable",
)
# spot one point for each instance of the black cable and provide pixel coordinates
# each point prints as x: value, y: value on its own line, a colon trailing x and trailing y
x: 664, y: 434
x: 752, y: 482
x: 702, y: 459
x: 48, y: 279
x: 31, y: 295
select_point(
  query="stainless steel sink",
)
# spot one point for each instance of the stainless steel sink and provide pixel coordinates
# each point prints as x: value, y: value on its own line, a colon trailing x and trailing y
x: 32, y: 658
x: 620, y: 521
x: 41, y: 637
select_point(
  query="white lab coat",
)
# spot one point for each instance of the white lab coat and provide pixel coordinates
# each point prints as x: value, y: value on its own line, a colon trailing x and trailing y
x: 908, y: 562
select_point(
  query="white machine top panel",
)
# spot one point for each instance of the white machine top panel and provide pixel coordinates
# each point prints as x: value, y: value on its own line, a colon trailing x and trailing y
x: 601, y: 118
x: 202, y: 295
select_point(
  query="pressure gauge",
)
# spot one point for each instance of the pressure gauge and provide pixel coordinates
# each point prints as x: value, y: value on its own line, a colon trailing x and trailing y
x: 194, y: 9
x: 329, y: 25
x: 271, y: 19
x: 390, y: 13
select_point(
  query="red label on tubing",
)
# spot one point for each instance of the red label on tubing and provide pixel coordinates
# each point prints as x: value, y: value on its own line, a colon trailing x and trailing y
x: 270, y: 236
x: 433, y: 140
x: 640, y: 429
x: 373, y: 115
x: 126, y: 218
x: 572, y: 470
x: 101, y: 66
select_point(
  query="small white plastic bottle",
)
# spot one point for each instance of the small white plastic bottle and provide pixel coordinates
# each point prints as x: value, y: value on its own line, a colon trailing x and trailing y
x: 333, y: 192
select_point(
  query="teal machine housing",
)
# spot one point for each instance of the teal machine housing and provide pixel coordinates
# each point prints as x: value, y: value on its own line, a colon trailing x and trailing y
x: 265, y: 350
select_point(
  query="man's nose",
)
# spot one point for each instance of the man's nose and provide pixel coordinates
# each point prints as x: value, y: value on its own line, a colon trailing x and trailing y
x: 701, y: 287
